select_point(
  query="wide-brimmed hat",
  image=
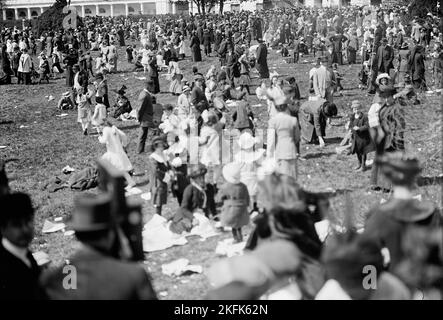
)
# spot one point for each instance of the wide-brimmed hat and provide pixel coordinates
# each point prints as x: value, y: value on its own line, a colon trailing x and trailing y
x: 246, y: 141
x: 232, y: 172
x: 382, y: 76
x: 157, y: 141
x: 91, y: 213
x: 197, y: 170
x: 399, y: 167
x: 186, y: 88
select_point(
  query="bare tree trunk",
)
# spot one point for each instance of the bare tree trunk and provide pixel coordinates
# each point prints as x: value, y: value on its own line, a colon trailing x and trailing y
x: 222, y: 2
x: 203, y: 7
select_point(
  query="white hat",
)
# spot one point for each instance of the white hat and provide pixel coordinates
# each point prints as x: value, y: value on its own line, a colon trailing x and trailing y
x: 246, y: 141
x: 273, y: 74
x: 176, y: 162
x: 231, y: 172
x: 382, y: 76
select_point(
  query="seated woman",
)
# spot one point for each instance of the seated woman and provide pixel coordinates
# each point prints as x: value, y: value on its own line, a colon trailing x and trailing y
x: 122, y: 107
x: 197, y: 196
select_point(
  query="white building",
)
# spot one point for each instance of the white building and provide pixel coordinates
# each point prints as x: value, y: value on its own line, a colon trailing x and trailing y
x: 31, y: 9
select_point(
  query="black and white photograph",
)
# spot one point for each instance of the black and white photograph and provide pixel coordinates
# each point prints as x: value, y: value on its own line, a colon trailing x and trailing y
x: 215, y: 150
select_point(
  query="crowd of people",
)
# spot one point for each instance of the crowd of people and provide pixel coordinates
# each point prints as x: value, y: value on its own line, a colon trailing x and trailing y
x: 190, y: 149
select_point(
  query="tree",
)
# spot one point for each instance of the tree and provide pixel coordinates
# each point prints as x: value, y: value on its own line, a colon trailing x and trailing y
x: 52, y: 19
x: 421, y: 8
x: 204, y: 6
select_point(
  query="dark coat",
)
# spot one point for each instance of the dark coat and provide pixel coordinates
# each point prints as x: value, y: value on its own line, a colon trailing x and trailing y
x: 235, y: 198
x: 193, y: 199
x: 312, y: 120
x: 361, y: 140
x: 196, y: 50
x: 145, y: 112
x: 262, y: 61
x: 100, y: 277
x: 17, y: 280
x: 385, y: 58
x: 387, y: 223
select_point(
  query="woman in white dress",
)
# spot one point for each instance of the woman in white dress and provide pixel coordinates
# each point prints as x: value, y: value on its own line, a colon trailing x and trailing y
x: 183, y: 103
x: 84, y: 109
x: 176, y: 77
x: 209, y: 142
x: 275, y: 90
x: 116, y: 140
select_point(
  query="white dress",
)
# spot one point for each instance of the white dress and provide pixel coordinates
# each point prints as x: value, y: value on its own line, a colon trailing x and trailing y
x: 115, y: 140
x: 210, y: 152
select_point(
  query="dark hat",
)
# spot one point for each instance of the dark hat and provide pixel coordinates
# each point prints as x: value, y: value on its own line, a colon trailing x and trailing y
x: 398, y: 167
x: 404, y: 45
x: 290, y: 79
x: 122, y: 90
x: 91, y: 213
x: 345, y: 258
x: 329, y: 109
x: 15, y: 207
x: 197, y: 170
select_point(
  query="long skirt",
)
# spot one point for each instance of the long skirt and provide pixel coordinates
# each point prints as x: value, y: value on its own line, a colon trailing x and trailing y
x: 263, y: 70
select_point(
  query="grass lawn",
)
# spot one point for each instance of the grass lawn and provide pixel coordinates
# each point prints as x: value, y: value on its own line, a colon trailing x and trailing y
x: 44, y: 143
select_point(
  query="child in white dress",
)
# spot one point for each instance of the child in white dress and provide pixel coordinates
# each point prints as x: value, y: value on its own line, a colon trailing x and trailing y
x: 116, y: 140
x: 99, y: 116
x: 84, y: 109
x: 209, y: 142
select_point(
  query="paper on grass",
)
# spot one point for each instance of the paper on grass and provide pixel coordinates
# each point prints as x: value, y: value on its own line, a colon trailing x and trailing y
x: 179, y: 267
x: 49, y: 227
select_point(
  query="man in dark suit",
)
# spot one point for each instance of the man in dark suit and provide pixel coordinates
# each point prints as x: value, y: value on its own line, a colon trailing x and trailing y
x: 19, y: 272
x: 145, y: 114
x: 385, y: 57
x: 94, y: 271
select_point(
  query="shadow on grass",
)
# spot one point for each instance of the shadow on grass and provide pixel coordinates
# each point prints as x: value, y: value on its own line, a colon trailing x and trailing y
x: 318, y: 155
x: 333, y: 140
x: 6, y: 122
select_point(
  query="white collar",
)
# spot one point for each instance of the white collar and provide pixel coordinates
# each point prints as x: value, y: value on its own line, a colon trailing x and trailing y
x: 18, y: 252
x: 157, y: 157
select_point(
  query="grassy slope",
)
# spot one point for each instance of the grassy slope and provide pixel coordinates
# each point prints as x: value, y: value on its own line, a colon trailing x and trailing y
x: 49, y: 143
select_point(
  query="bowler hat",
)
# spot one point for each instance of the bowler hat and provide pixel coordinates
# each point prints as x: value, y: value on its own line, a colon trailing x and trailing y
x: 91, y: 213
x: 15, y: 206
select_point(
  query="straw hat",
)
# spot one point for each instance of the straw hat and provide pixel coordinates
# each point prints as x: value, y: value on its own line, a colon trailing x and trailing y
x: 231, y: 172
x: 186, y: 88
x: 382, y: 76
